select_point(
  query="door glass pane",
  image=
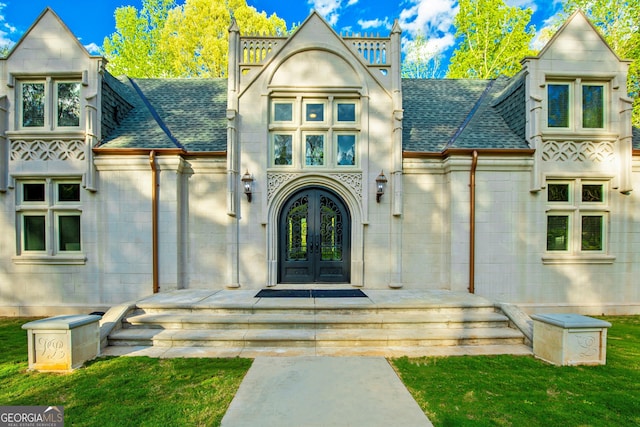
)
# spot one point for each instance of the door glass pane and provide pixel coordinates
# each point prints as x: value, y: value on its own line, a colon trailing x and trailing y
x: 69, y: 229
x: 34, y: 233
x: 68, y: 104
x: 592, y: 233
x: 296, y: 230
x: 330, y: 230
x: 557, y: 232
x: 346, y: 155
x: 33, y: 192
x: 314, y: 151
x: 592, y: 106
x: 282, y: 149
x: 558, y: 105
x: 33, y: 104
x: 315, y: 113
x: 347, y: 112
x: 68, y: 192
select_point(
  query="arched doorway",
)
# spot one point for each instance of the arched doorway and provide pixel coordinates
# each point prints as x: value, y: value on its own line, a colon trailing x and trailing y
x: 314, y: 238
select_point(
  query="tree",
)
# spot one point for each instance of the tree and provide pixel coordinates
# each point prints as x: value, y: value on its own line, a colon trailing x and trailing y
x: 619, y: 23
x: 422, y: 61
x: 165, y: 40
x: 492, y: 39
x: 195, y: 38
x: 133, y: 49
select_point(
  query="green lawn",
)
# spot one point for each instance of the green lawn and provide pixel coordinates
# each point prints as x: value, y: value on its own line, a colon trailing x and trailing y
x: 523, y: 391
x: 454, y: 391
x: 122, y: 391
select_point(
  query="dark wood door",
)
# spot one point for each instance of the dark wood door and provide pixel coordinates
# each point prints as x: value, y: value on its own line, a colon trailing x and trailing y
x: 314, y: 240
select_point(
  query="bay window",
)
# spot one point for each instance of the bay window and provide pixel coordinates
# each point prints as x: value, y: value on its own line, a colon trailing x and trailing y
x: 576, y: 105
x: 49, y: 104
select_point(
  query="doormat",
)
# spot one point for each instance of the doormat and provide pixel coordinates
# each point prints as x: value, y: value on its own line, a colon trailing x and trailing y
x: 310, y: 293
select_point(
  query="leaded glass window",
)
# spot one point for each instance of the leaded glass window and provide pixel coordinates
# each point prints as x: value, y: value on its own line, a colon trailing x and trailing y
x: 592, y: 233
x: 68, y: 104
x: 557, y: 232
x: 346, y: 112
x: 314, y: 151
x: 33, y: 102
x: 346, y: 155
x: 592, y: 106
x: 558, y: 105
x: 282, y: 149
x: 314, y: 112
x: 283, y: 112
x: 48, y: 214
x: 576, y: 216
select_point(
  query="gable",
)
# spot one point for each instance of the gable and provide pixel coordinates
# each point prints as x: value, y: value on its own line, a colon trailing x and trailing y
x: 47, y: 44
x: 578, y: 40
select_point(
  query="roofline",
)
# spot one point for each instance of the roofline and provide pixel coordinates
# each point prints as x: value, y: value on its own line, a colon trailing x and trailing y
x: 158, y: 151
x: 468, y: 151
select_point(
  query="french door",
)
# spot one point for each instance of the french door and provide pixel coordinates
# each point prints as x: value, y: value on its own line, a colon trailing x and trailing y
x: 314, y: 238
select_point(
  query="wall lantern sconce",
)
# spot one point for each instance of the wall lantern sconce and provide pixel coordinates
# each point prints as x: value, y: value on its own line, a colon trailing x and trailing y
x: 247, y: 182
x: 381, y: 182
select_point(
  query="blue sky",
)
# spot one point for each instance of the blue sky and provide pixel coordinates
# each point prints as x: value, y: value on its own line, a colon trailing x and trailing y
x: 91, y: 21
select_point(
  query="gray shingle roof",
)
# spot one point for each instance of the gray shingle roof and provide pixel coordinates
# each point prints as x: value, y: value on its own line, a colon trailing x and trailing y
x: 174, y: 113
x: 441, y: 114
x: 635, y: 138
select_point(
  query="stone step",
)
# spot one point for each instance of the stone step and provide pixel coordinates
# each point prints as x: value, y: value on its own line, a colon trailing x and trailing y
x: 284, y: 351
x: 314, y: 338
x: 178, y: 320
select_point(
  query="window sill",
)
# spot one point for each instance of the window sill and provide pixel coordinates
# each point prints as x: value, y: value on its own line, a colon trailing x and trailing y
x: 79, y: 259
x: 46, y: 134
x: 578, y: 259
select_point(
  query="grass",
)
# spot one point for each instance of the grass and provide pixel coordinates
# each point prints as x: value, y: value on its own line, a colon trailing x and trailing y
x: 523, y: 391
x: 122, y: 391
x: 454, y: 391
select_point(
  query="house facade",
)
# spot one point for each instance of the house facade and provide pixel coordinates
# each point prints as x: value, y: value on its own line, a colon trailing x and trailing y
x: 314, y: 163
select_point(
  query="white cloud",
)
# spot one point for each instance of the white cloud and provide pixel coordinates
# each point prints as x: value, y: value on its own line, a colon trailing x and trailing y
x: 431, y: 18
x: 92, y: 48
x: 329, y: 9
x: 375, y: 23
x: 8, y: 31
x: 523, y: 4
x: 352, y: 2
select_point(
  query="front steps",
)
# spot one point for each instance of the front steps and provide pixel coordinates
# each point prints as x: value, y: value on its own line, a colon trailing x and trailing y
x: 387, y: 323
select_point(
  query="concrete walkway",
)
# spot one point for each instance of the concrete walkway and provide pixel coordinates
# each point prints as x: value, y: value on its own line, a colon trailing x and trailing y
x: 323, y: 391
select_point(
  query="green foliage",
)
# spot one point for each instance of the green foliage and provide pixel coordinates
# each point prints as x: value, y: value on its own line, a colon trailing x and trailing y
x: 421, y: 62
x: 619, y: 24
x: 133, y: 49
x: 523, y: 391
x: 122, y: 391
x: 165, y: 40
x: 492, y: 39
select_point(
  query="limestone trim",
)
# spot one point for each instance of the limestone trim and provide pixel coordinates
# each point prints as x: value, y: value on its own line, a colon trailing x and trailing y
x: 283, y: 185
x: 578, y: 151
x: 40, y: 149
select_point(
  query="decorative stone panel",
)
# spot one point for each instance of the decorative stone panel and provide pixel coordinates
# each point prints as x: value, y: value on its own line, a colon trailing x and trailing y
x: 573, y: 151
x: 47, y: 150
x: 352, y: 180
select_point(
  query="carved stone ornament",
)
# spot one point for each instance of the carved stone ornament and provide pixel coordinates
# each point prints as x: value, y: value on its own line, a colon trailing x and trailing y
x: 352, y: 180
x: 47, y: 150
x: 571, y: 151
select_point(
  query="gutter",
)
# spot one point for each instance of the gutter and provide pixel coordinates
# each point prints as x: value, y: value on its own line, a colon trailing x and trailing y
x: 154, y: 219
x: 472, y: 222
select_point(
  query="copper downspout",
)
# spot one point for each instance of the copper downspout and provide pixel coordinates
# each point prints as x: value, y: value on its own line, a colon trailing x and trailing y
x: 472, y: 223
x: 154, y: 219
